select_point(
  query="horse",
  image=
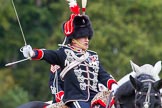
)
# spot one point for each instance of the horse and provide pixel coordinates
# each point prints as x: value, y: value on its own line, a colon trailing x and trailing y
x: 142, y: 90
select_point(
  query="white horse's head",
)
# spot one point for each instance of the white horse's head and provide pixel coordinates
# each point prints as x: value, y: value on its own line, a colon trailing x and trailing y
x: 147, y: 69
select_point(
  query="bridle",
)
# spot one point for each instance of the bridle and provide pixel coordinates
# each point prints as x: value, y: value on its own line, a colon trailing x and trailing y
x: 148, y: 94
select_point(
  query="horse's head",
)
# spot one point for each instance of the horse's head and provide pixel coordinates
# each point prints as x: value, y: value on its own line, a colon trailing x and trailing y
x: 147, y: 84
x: 147, y: 69
x: 147, y: 94
x: 141, y: 90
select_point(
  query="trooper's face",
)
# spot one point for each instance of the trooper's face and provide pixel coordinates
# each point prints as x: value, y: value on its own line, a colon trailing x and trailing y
x: 82, y: 42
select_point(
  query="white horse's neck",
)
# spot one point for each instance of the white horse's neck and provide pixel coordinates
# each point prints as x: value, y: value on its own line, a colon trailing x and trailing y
x: 126, y: 78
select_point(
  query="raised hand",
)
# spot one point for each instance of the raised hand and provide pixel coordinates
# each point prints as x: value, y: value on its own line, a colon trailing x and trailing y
x: 27, y: 51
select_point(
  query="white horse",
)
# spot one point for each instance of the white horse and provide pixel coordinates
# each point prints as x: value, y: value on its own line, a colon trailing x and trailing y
x: 150, y: 69
x: 132, y: 91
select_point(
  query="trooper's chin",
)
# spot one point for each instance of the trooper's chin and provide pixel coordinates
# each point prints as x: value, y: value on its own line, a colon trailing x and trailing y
x: 85, y: 47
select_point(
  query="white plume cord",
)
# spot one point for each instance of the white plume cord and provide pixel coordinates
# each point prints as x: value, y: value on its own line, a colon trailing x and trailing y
x: 84, y: 4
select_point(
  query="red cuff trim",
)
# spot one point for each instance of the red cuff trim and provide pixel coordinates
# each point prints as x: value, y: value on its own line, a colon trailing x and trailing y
x: 39, y: 54
x: 100, y: 102
x: 45, y: 106
x: 110, y: 82
x: 59, y: 96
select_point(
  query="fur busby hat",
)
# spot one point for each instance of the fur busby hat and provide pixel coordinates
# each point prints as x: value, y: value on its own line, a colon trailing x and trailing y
x: 78, y: 26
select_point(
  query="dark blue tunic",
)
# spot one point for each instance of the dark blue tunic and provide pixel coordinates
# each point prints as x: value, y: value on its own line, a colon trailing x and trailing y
x: 80, y: 82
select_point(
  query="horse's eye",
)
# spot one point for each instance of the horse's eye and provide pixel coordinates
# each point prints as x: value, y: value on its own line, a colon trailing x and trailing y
x: 157, y: 97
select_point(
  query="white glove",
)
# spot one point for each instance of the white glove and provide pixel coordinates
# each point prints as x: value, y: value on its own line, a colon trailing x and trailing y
x: 27, y: 51
x: 114, y: 88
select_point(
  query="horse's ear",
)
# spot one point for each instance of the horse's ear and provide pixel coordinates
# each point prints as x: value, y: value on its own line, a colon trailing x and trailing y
x: 158, y: 85
x: 135, y: 83
x: 135, y: 67
x: 157, y: 68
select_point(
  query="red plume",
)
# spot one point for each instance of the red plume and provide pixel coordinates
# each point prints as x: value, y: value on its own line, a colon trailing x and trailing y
x: 74, y: 7
x: 68, y: 26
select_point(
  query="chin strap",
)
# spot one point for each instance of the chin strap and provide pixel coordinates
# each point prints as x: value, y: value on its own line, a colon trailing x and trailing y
x: 80, y: 44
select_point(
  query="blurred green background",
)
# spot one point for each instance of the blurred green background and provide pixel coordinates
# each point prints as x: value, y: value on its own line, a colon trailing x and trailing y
x: 124, y: 30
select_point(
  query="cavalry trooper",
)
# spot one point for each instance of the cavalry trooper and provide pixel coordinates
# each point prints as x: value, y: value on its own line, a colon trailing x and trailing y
x: 81, y: 68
